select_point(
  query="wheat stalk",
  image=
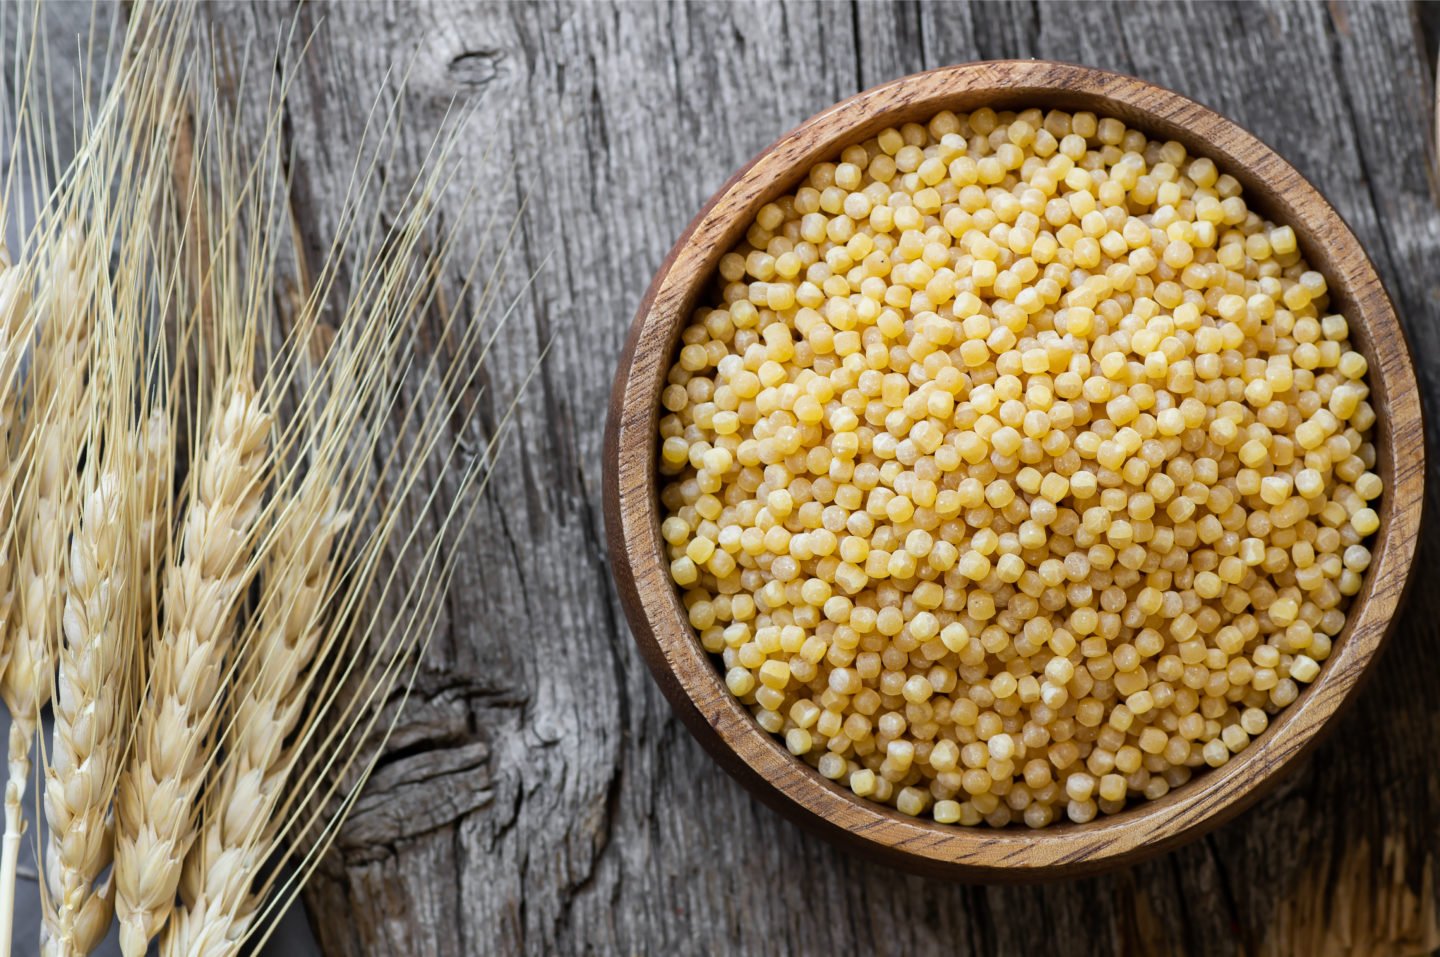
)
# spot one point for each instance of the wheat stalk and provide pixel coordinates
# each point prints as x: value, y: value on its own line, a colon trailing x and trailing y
x: 302, y: 668
x: 177, y: 714
x: 89, y: 650
x: 289, y: 631
x: 293, y: 626
x: 124, y: 486
x: 14, y: 823
x: 89, y: 699
x: 106, y: 606
x: 52, y: 444
x: 14, y: 310
x: 222, y: 869
x: 365, y: 654
x: 155, y: 454
x: 226, y: 799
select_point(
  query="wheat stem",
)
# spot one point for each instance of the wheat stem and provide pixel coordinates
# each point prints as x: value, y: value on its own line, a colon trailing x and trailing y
x: 10, y: 848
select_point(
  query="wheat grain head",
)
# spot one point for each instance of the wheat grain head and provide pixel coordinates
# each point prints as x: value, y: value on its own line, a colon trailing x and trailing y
x: 201, y: 588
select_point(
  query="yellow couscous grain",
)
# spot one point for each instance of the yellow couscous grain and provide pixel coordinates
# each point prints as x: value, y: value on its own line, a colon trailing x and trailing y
x: 1019, y: 468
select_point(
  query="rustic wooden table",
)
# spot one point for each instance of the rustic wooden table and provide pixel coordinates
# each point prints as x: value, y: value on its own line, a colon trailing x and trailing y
x: 539, y: 796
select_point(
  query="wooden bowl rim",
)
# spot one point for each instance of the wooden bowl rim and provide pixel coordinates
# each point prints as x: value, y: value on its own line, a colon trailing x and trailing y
x: 687, y: 674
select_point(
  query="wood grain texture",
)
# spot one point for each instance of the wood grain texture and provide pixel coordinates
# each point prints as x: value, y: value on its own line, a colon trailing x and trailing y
x: 540, y: 797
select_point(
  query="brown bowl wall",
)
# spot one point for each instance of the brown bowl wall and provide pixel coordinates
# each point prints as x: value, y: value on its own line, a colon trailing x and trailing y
x: 692, y: 681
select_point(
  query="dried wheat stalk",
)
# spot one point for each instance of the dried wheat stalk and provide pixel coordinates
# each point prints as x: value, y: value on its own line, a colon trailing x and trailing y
x: 222, y: 870
x: 240, y: 740
x: 15, y: 287
x: 14, y: 311
x: 271, y: 716
x: 84, y: 530
x: 156, y: 457
x: 202, y: 585
x: 124, y: 487
x: 89, y: 704
x: 51, y: 451
x: 317, y: 661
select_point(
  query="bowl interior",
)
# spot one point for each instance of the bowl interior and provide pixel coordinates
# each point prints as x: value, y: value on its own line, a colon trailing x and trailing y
x: 1271, y: 187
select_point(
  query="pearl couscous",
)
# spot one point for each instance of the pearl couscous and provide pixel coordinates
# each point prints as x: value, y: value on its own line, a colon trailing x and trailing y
x: 1019, y: 470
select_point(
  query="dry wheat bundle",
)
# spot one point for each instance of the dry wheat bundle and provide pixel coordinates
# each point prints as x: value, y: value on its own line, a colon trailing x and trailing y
x: 163, y: 453
x: 65, y: 288
x: 94, y: 672
x: 118, y: 505
x: 204, y: 577
x: 300, y: 696
x: 50, y: 445
x: 214, y: 566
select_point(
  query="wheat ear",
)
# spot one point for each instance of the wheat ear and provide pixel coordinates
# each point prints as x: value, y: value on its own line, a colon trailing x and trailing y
x: 52, y: 444
x: 177, y: 714
x: 89, y: 696
x: 221, y: 873
x: 107, y: 609
x: 14, y: 310
x: 9, y: 472
x: 156, y: 457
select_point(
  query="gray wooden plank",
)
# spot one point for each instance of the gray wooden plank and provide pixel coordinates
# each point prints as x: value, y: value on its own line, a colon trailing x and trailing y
x: 542, y: 799
x: 617, y: 834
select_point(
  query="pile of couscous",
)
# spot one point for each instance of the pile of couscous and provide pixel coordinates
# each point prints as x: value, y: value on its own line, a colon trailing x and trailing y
x: 1018, y: 469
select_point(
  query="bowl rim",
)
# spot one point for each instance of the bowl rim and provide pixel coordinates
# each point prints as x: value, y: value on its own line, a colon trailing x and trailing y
x: 686, y: 672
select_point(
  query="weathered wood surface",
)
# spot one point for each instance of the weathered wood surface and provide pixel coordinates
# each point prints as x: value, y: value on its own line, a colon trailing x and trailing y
x: 539, y: 797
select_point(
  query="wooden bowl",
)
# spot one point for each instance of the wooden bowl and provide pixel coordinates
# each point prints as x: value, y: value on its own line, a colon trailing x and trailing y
x: 692, y: 680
